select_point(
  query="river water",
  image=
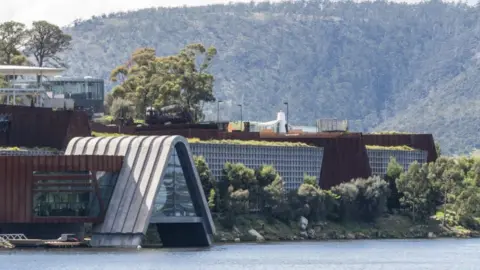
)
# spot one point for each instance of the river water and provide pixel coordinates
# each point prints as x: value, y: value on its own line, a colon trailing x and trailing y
x: 442, y: 254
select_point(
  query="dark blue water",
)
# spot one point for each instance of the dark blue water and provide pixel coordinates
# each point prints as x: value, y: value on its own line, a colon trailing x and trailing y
x: 442, y: 254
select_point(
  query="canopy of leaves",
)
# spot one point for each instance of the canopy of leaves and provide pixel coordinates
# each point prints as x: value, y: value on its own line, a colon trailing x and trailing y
x: 45, y: 42
x: 180, y: 79
x: 12, y: 37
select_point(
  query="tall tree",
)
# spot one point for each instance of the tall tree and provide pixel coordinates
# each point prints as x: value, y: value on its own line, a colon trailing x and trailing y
x: 45, y: 42
x: 416, y: 187
x: 196, y: 86
x: 139, y: 78
x: 394, y: 171
x: 180, y: 79
x: 12, y: 37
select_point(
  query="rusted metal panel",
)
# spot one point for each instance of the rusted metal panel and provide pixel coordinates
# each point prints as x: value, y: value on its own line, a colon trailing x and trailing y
x: 3, y: 188
x: 28, y: 189
x: 16, y: 182
x: 42, y: 127
x: 8, y: 189
x: 344, y: 155
x: 66, y: 220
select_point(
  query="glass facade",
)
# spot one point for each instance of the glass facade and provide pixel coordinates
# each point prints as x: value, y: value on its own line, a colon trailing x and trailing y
x: 379, y: 159
x: 173, y: 197
x: 290, y: 162
x: 86, y: 89
x: 107, y: 182
x: 71, y: 194
x: 87, y: 92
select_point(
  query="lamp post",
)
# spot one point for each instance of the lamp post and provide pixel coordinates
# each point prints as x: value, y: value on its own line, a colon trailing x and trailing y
x: 241, y: 112
x: 286, y: 103
x: 218, y: 110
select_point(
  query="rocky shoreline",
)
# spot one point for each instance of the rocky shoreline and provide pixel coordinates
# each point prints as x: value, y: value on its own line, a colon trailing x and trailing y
x: 256, y: 229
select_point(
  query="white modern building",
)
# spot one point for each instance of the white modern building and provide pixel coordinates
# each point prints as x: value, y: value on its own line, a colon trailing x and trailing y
x: 21, y: 92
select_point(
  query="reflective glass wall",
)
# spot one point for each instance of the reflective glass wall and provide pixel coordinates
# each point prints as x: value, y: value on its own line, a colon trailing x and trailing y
x: 71, y: 194
x: 173, y: 197
x: 88, y: 89
x: 86, y: 92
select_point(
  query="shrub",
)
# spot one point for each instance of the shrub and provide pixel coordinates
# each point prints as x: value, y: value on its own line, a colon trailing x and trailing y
x: 362, y: 199
x: 206, y: 178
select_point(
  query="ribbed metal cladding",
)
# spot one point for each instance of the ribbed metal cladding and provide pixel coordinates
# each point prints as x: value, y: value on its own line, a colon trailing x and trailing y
x: 145, y: 163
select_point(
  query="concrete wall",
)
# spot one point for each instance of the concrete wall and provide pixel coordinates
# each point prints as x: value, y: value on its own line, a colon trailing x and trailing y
x: 379, y: 159
x: 291, y: 162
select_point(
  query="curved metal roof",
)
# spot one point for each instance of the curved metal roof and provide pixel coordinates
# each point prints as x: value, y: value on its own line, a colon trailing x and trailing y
x: 145, y: 163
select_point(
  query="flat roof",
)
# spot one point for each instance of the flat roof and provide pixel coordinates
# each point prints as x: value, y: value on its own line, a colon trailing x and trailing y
x: 26, y: 70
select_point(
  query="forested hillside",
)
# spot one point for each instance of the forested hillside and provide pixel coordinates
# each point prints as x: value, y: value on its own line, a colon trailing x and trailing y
x: 390, y: 66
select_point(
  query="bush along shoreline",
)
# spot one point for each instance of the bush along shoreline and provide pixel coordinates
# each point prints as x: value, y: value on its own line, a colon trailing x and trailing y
x: 250, y: 205
x: 438, y: 199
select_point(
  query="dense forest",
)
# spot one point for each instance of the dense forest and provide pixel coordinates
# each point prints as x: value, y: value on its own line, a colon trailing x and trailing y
x: 383, y: 66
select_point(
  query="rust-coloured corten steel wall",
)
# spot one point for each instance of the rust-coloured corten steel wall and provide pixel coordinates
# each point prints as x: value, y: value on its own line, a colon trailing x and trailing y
x: 42, y: 127
x: 417, y: 141
x: 16, y: 181
x: 344, y: 155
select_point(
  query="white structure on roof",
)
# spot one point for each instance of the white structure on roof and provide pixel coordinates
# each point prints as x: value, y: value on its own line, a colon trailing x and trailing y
x: 278, y: 125
x: 158, y: 183
x: 25, y: 90
x: 9, y: 70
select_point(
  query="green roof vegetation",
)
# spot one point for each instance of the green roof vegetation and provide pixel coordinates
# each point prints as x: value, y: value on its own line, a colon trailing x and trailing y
x: 390, y: 132
x: 103, y: 134
x: 399, y: 147
x: 17, y: 148
x: 250, y: 142
x: 237, y: 142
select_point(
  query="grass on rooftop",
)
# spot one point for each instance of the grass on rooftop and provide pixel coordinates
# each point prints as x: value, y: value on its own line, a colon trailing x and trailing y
x: 392, y: 132
x: 399, y: 147
x: 250, y: 142
x: 17, y: 148
x: 237, y: 142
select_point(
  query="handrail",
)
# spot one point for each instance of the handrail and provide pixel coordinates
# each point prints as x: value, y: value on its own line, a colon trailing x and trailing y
x: 13, y: 236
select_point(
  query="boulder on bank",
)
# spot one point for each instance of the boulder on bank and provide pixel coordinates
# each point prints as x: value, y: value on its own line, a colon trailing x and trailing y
x: 257, y: 235
x: 303, y: 223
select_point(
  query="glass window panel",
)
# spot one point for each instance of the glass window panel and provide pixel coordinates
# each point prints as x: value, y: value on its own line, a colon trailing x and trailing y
x: 173, y: 197
x: 63, y: 197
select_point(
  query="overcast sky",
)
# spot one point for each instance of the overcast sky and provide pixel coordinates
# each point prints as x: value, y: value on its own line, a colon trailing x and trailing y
x: 63, y: 12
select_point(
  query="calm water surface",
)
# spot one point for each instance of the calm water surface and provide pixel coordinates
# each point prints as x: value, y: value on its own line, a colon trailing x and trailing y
x: 444, y: 254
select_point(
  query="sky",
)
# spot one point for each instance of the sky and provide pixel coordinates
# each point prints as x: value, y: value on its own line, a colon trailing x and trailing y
x: 63, y: 12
